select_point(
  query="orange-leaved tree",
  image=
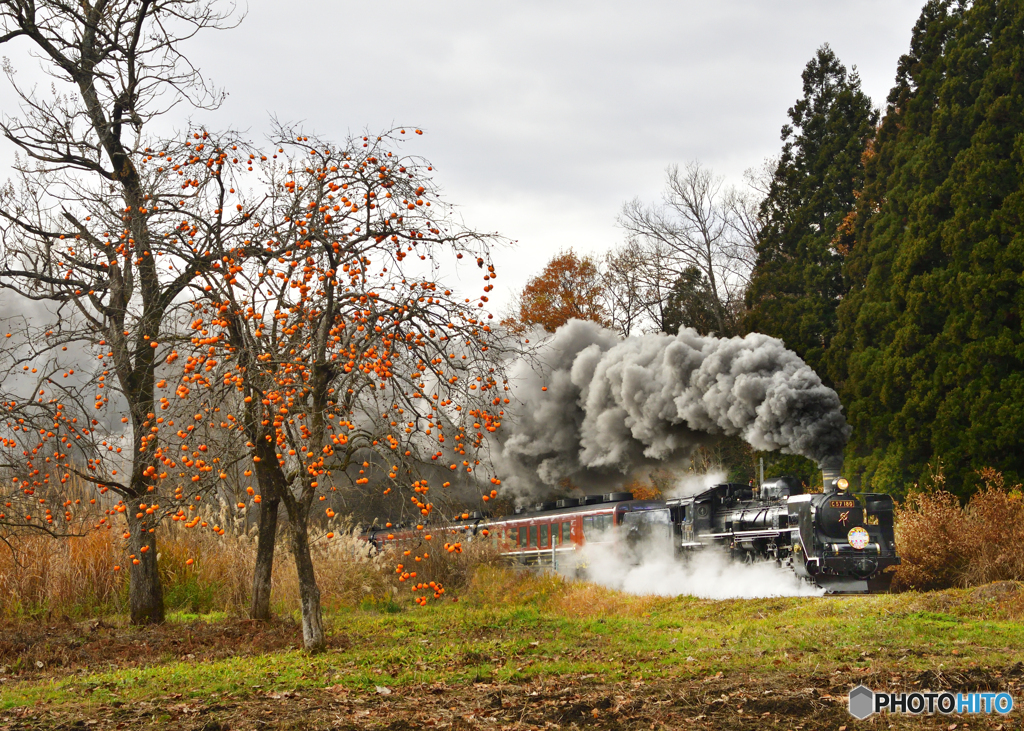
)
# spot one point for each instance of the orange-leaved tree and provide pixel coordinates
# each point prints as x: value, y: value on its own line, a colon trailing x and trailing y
x: 569, y: 287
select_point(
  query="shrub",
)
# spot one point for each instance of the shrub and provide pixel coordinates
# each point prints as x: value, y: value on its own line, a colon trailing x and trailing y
x: 41, y: 576
x: 944, y: 544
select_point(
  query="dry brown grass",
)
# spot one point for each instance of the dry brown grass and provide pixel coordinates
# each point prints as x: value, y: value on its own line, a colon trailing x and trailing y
x: 75, y: 577
x: 944, y: 544
x: 496, y: 586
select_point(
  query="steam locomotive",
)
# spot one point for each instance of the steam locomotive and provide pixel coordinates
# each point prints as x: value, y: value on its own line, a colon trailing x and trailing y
x: 836, y: 540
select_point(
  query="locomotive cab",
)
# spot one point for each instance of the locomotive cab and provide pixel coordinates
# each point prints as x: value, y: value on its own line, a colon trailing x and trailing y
x: 691, y: 517
x: 645, y: 526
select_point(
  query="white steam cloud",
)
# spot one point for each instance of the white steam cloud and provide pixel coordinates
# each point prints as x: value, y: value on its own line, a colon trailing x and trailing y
x: 612, y: 405
x: 693, y: 484
x: 708, y: 574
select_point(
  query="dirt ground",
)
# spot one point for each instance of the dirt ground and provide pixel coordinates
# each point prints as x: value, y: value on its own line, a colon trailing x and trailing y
x: 38, y: 650
x: 719, y: 703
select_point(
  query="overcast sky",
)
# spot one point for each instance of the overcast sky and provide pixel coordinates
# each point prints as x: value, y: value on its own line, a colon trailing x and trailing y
x: 542, y: 118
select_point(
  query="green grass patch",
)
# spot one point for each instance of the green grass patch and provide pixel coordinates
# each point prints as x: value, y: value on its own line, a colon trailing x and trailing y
x: 542, y: 627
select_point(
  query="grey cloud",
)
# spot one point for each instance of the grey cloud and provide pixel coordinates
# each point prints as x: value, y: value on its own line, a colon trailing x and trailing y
x: 542, y: 118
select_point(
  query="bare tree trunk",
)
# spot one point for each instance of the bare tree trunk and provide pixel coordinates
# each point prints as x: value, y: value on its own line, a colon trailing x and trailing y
x: 266, y: 542
x: 309, y: 593
x: 272, y: 482
x: 145, y: 594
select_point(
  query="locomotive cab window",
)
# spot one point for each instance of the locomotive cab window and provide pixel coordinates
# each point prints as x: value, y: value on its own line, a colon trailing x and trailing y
x: 646, y: 517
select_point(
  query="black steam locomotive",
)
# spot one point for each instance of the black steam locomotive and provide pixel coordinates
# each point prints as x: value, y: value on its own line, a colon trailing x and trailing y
x: 839, y: 541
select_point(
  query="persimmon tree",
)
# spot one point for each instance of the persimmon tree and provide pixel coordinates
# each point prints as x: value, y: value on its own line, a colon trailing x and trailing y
x: 86, y: 229
x: 33, y: 497
x: 224, y: 305
x: 349, y: 358
x: 65, y: 435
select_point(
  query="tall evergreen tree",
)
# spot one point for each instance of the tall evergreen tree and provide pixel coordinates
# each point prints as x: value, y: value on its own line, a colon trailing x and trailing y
x: 929, y: 355
x: 692, y: 304
x: 797, y: 281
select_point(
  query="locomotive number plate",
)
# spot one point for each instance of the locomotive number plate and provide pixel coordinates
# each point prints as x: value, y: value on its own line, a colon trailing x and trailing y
x: 842, y: 503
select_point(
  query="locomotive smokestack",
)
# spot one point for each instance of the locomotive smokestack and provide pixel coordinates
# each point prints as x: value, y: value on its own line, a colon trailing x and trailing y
x: 831, y: 472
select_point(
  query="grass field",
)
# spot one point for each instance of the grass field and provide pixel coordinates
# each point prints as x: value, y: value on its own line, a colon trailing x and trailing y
x: 525, y: 652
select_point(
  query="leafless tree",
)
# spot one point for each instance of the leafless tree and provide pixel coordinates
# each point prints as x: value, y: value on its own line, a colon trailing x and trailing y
x: 635, y: 287
x: 84, y: 227
x: 745, y: 219
x: 697, y: 225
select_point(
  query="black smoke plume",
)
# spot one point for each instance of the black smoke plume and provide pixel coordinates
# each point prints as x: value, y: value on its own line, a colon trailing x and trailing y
x: 612, y: 405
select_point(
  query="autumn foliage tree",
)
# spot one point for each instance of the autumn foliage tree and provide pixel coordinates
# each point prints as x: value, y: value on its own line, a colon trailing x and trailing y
x: 570, y: 286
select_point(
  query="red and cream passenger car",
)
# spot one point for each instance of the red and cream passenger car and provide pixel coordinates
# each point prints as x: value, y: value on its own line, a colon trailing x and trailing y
x: 548, y: 533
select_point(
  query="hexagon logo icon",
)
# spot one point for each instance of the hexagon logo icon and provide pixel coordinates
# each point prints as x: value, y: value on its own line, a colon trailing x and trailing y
x: 862, y: 702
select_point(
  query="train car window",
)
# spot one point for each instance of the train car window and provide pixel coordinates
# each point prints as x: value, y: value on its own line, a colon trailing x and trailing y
x: 533, y: 536
x: 567, y: 532
x: 647, y: 517
x: 544, y: 536
x: 521, y: 538
x: 595, y: 527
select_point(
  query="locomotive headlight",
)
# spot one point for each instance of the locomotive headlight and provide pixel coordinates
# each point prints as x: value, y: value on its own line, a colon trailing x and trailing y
x: 842, y: 483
